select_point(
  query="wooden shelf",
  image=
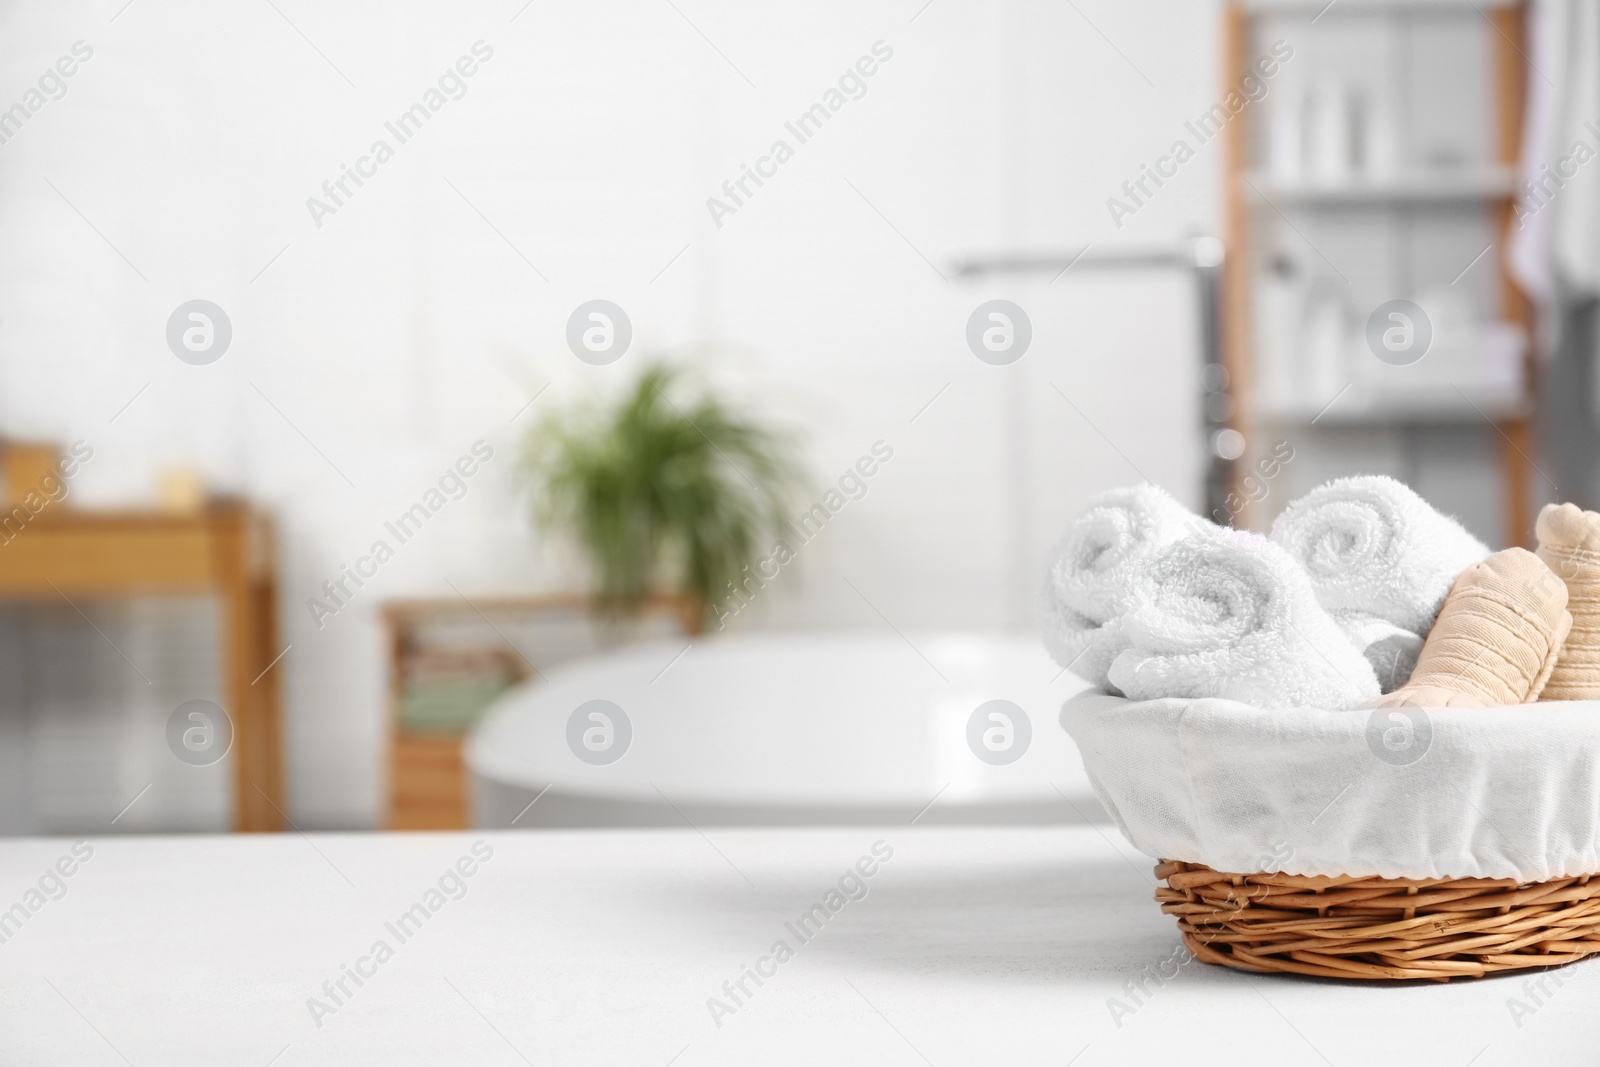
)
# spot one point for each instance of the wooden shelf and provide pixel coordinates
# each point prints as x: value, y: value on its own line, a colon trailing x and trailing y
x: 226, y: 550
x: 1417, y: 188
x: 428, y: 780
x: 1419, y: 414
x: 1489, y: 183
x: 1316, y: 8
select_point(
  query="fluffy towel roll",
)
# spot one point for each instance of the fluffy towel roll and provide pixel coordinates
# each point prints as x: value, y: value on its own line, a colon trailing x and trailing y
x: 1376, y: 552
x: 1090, y: 576
x: 1233, y: 616
x: 1569, y: 543
x: 1496, y: 638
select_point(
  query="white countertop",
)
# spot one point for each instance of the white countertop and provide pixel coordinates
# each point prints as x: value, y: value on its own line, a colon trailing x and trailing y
x: 970, y: 946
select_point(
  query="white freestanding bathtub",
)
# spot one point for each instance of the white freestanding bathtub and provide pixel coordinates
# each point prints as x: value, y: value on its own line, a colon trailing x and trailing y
x: 782, y: 729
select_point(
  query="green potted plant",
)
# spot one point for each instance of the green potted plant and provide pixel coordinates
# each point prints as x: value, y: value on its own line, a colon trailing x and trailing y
x: 669, y: 489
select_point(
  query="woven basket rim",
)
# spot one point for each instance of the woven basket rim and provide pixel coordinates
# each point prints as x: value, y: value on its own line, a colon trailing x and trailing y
x: 1375, y: 875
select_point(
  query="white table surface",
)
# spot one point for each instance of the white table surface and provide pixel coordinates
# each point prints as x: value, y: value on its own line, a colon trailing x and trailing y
x: 971, y: 946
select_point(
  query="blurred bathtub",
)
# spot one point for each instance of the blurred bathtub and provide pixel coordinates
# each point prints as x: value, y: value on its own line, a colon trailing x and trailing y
x: 782, y: 729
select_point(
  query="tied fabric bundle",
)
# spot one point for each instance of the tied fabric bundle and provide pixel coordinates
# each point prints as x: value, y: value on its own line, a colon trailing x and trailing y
x: 1381, y: 561
x: 1496, y: 638
x: 1092, y: 572
x: 1569, y: 544
x: 1232, y: 615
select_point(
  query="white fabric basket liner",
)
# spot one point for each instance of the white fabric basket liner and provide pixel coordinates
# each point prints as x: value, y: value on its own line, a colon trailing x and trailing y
x: 1510, y: 792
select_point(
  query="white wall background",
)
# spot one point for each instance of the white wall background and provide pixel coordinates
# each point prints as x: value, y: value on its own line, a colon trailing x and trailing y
x: 177, y: 167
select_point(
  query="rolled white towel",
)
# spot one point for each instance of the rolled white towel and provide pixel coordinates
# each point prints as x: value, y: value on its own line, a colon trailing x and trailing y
x: 1091, y: 571
x: 1233, y: 616
x: 1377, y: 553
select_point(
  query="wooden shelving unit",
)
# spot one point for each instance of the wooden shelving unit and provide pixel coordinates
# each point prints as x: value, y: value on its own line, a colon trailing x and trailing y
x: 225, y: 550
x: 1257, y: 201
x: 466, y: 650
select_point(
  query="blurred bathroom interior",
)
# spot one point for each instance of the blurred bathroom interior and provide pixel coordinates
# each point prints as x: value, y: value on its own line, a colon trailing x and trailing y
x: 1007, y: 256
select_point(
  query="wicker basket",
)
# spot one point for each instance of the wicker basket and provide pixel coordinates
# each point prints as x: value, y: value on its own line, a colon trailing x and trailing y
x: 1384, y: 929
